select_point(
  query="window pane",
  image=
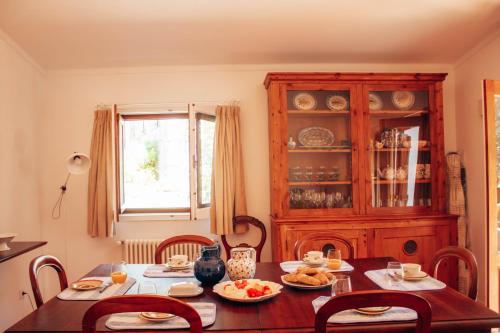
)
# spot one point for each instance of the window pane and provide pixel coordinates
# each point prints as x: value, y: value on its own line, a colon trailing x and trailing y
x: 206, y: 129
x: 156, y: 163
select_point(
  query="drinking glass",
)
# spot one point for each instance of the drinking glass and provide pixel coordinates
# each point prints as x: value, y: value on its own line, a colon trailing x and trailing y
x: 341, y: 285
x: 334, y: 259
x: 118, y: 272
x: 395, y: 272
x: 146, y: 288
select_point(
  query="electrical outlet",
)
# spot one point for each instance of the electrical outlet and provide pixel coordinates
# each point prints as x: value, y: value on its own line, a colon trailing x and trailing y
x: 22, y: 293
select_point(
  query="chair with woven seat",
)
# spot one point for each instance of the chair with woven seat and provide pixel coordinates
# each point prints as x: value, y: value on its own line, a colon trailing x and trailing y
x: 182, y: 244
x: 140, y: 303
x: 322, y: 241
x: 373, y: 298
x: 45, y: 261
x: 242, y: 220
x: 460, y: 253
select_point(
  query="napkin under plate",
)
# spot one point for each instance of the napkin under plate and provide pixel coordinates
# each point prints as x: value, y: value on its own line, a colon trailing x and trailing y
x: 157, y: 271
x: 380, y: 278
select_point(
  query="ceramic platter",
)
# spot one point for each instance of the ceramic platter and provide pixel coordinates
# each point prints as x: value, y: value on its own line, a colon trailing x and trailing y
x: 219, y: 288
x: 196, y: 292
x: 337, y: 103
x: 86, y: 284
x: 375, y: 102
x: 403, y: 100
x: 156, y: 316
x: 373, y: 311
x: 304, y: 101
x: 305, y: 286
x: 316, y: 136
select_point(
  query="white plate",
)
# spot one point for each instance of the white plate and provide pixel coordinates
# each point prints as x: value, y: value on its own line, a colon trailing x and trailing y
x: 316, y: 136
x: 374, y: 102
x: 197, y: 292
x: 181, y: 267
x: 304, y: 101
x: 156, y: 317
x: 314, y: 264
x: 373, y: 311
x: 304, y: 286
x: 83, y: 285
x: 276, y: 287
x: 403, y: 100
x: 418, y: 277
x: 336, y: 103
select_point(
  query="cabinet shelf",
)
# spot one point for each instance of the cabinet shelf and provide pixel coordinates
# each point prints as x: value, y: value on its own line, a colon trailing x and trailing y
x: 308, y: 150
x: 398, y: 113
x: 394, y: 181
x: 398, y: 149
x: 317, y: 113
x: 337, y: 182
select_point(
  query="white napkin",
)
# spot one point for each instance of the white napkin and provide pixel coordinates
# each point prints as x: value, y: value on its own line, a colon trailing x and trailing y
x: 350, y: 316
x: 69, y: 294
x: 132, y: 321
x: 380, y: 278
x: 157, y: 271
x: 291, y: 266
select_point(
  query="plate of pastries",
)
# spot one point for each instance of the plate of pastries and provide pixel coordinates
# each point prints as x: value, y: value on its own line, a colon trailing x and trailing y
x: 308, y: 278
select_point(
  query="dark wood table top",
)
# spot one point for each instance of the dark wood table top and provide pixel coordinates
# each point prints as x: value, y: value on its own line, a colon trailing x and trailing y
x: 291, y: 311
x: 18, y: 248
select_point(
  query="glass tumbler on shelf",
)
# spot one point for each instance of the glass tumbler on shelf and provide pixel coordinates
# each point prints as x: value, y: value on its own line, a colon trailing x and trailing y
x: 308, y: 175
x: 296, y: 174
x: 341, y: 285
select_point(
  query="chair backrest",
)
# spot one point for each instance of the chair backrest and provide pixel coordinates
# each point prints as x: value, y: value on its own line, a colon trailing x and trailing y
x: 244, y: 219
x: 140, y: 303
x: 321, y: 241
x: 463, y: 254
x: 371, y: 298
x: 45, y: 261
x: 182, y: 239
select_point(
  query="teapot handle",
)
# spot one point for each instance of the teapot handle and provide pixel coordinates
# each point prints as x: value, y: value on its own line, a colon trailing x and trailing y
x: 253, y: 253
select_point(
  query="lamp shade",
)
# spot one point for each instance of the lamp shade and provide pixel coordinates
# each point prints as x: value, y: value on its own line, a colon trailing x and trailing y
x: 78, y: 163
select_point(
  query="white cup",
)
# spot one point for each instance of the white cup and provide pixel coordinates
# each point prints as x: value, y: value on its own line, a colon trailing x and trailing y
x: 313, y: 256
x: 178, y: 260
x: 411, y: 269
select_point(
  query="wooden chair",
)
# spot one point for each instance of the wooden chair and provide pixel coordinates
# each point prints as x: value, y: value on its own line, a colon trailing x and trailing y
x: 370, y: 298
x: 45, y: 261
x: 463, y: 254
x: 182, y: 239
x: 244, y: 219
x: 139, y: 303
x: 321, y: 241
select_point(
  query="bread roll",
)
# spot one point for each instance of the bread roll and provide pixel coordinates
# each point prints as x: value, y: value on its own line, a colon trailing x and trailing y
x: 309, y: 280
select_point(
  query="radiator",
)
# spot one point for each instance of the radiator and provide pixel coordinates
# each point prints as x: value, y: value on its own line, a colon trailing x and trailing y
x: 142, y: 251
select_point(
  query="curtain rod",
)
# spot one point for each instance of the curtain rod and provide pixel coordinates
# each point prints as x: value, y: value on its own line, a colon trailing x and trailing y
x: 168, y: 104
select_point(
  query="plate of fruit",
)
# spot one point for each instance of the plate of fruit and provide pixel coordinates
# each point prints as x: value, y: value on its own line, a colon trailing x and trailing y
x: 248, y: 290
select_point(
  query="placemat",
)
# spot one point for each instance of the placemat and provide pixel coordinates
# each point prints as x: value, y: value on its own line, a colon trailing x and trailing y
x: 291, y: 266
x: 132, y: 321
x: 380, y: 278
x: 157, y: 271
x: 116, y: 289
x: 350, y: 316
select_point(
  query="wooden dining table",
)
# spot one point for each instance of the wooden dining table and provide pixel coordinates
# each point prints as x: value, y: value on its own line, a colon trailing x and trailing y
x: 290, y: 311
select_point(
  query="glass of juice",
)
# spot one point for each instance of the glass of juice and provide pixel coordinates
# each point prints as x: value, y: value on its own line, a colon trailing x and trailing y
x: 334, y: 259
x: 119, y: 272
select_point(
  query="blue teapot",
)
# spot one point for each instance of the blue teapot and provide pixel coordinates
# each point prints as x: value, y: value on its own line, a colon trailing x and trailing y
x: 209, y: 268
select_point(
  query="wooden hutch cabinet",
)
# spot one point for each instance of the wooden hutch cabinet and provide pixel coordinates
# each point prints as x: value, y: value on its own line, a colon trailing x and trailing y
x: 361, y: 154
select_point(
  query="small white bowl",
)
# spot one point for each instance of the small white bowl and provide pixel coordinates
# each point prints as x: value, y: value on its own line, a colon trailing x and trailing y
x: 4, y: 239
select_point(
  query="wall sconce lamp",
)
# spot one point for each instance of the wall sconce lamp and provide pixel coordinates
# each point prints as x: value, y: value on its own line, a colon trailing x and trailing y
x: 76, y: 164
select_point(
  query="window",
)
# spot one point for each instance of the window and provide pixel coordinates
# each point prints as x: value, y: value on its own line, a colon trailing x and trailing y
x: 164, y: 164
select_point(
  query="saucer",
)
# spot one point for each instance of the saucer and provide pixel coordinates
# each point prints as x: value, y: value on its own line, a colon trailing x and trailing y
x: 86, y: 284
x: 373, y: 311
x: 179, y: 267
x: 417, y: 277
x: 156, y: 316
x: 315, y: 263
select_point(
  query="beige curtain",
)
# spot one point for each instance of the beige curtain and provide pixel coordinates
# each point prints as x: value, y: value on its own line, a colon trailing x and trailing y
x: 228, y: 185
x: 100, y: 187
x: 456, y: 205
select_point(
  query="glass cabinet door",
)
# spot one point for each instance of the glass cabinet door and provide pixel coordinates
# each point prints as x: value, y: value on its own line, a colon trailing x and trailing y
x: 400, y: 167
x: 320, y: 149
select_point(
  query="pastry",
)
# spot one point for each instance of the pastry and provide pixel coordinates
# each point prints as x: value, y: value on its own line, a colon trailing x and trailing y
x: 323, y: 279
x: 292, y: 277
x: 309, y: 280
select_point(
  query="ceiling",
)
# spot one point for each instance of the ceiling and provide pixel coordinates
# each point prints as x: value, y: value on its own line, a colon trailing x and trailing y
x: 64, y: 34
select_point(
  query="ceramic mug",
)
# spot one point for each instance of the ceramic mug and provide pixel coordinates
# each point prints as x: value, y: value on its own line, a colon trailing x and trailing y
x: 411, y: 269
x: 313, y: 256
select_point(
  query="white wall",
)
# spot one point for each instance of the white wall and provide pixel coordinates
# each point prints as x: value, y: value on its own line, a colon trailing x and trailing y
x: 66, y: 124
x: 470, y: 73
x: 19, y: 106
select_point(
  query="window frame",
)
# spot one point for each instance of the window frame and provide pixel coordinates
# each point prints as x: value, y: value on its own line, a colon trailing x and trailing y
x: 194, y: 212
